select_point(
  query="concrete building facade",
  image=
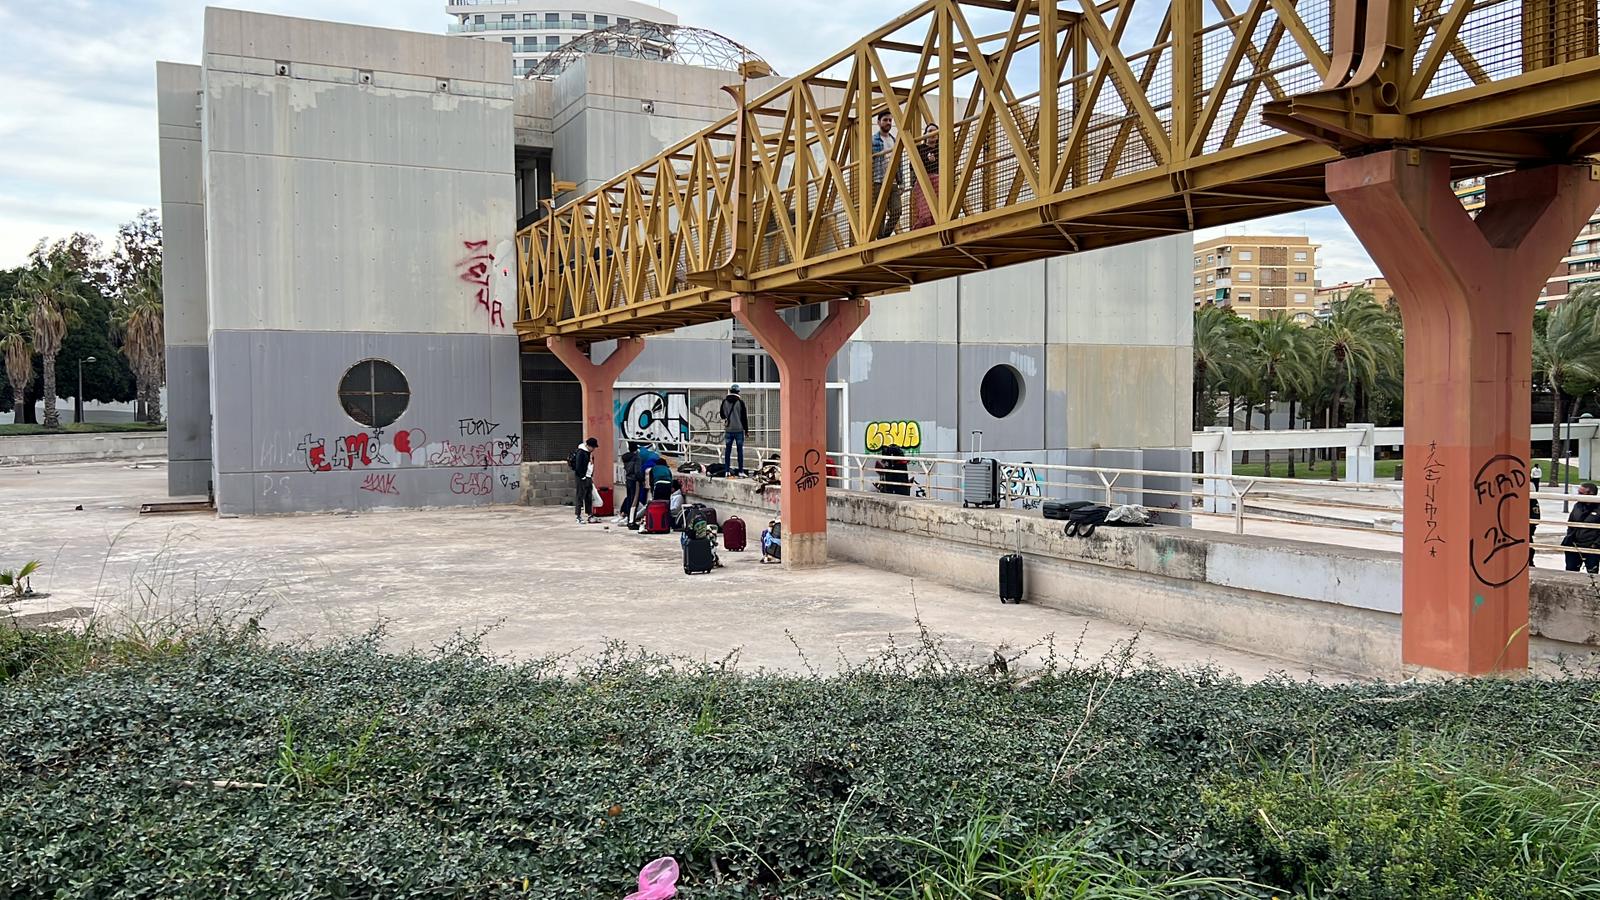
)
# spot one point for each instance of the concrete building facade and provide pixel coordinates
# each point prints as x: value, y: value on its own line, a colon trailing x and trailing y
x: 341, y: 204
x: 1257, y: 275
x: 534, y: 29
x: 1377, y: 286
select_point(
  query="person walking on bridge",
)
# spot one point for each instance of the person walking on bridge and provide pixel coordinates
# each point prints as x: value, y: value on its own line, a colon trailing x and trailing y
x: 1584, y: 539
x: 886, y: 175
x: 735, y: 422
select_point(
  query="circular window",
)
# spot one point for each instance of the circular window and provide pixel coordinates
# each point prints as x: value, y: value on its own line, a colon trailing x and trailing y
x: 374, y: 393
x: 1001, y: 391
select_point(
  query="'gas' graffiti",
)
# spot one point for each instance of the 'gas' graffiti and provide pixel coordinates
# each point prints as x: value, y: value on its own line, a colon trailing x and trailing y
x: 905, y: 435
x: 1021, y: 484
x: 659, y: 418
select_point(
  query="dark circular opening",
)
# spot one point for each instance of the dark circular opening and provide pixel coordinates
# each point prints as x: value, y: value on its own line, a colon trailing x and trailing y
x: 374, y: 393
x: 1001, y: 391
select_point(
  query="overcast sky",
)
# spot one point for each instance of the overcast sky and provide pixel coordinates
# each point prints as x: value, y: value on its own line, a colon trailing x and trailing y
x: 78, y: 122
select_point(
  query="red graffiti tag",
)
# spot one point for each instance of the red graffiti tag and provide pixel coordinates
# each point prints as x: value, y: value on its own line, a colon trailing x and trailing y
x: 379, y: 484
x: 408, y: 442
x: 472, y: 484
x: 456, y: 456
x: 475, y: 270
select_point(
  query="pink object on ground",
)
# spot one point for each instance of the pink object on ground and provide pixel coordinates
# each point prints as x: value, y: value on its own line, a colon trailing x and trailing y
x: 658, y: 880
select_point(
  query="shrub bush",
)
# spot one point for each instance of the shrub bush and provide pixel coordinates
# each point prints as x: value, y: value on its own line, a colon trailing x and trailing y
x: 239, y: 768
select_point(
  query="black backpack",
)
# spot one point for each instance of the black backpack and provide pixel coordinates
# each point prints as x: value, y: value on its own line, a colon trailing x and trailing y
x: 1082, y: 522
x: 572, y: 461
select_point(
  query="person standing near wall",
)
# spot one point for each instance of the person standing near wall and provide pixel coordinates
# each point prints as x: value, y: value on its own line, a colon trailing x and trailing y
x: 582, y: 463
x: 882, y: 178
x: 1584, y: 538
x: 633, y: 478
x: 735, y: 422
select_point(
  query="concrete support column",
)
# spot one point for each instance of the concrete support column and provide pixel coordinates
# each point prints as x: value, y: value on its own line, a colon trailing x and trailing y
x: 1218, y: 461
x: 1467, y: 290
x: 599, y: 383
x: 803, y: 400
x: 1361, y: 455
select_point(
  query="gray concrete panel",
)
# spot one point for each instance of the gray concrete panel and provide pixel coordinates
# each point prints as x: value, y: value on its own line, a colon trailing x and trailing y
x: 1124, y: 396
x: 297, y: 117
x: 1023, y: 428
x: 1004, y: 306
x: 183, y: 268
x: 270, y: 37
x: 676, y: 360
x: 927, y: 312
x: 286, y: 445
x: 304, y: 244
x: 892, y: 382
x: 188, y: 420
x: 1133, y: 294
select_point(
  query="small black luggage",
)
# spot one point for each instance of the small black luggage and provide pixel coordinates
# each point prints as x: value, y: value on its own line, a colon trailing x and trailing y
x: 1011, y: 578
x: 1062, y: 509
x: 698, y: 556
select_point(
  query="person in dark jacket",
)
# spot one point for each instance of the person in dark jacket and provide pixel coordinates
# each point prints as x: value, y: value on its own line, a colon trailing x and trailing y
x: 735, y: 422
x: 633, y: 477
x: 582, y: 463
x: 1533, y: 526
x: 1587, y: 539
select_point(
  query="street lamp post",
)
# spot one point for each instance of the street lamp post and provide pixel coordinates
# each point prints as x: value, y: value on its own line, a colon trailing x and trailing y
x: 87, y: 359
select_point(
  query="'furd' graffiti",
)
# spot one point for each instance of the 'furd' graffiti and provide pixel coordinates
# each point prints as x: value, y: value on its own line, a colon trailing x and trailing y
x: 410, y: 447
x: 1499, y: 486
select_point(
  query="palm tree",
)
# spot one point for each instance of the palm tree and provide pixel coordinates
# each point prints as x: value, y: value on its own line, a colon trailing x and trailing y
x: 1217, y: 351
x: 1567, y: 354
x: 140, y: 324
x: 1357, y: 345
x: 18, y: 353
x: 1278, y: 355
x: 49, y: 287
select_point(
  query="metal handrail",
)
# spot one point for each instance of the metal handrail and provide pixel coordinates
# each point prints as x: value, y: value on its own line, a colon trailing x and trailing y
x: 942, y: 482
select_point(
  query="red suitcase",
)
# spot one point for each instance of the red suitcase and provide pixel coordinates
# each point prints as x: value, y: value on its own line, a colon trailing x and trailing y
x: 657, y: 518
x: 733, y: 534
x: 604, y: 509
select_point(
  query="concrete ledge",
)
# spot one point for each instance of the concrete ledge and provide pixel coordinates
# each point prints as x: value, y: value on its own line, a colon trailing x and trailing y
x: 1313, y: 604
x: 29, y: 450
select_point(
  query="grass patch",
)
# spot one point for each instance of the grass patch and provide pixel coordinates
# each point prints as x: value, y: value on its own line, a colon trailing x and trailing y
x: 223, y: 765
x: 1383, y: 469
x: 84, y: 428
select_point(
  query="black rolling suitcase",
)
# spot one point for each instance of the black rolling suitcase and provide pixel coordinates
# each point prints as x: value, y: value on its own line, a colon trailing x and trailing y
x: 698, y: 556
x: 1011, y: 578
x: 1011, y: 572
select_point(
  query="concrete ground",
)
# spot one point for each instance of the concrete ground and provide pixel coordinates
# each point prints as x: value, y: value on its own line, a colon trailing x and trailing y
x: 540, y: 583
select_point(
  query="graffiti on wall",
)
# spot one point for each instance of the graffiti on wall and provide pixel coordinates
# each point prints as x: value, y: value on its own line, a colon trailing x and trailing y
x: 477, y: 445
x: 656, y: 417
x: 490, y: 275
x: 1022, y: 485
x: 906, y: 435
x: 1499, y: 491
x: 379, y: 483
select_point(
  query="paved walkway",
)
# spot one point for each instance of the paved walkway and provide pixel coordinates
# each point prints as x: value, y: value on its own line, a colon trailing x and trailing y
x: 541, y: 583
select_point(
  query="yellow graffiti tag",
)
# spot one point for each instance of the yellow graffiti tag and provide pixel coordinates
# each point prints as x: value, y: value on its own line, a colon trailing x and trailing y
x: 907, y: 435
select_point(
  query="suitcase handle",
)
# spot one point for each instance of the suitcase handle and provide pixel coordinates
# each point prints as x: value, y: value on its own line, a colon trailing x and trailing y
x: 977, y: 442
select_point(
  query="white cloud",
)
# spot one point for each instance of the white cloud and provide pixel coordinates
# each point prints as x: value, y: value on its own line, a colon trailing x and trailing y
x: 78, y: 125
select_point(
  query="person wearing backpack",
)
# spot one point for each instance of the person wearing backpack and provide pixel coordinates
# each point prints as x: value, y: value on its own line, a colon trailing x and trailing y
x: 582, y: 464
x: 633, y: 477
x: 735, y: 422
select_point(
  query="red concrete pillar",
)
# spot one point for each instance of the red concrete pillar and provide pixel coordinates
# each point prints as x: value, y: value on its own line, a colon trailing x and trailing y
x: 803, y: 447
x: 599, y: 381
x: 1467, y: 290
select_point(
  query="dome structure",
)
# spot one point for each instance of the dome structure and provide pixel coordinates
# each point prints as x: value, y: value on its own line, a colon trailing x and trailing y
x: 665, y: 43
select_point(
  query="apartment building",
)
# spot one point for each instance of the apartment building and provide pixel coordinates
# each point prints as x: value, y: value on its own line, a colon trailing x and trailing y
x: 533, y: 29
x: 1257, y: 275
x: 1378, y: 287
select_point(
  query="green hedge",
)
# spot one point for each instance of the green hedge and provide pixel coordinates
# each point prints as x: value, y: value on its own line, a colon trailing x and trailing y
x: 241, y: 769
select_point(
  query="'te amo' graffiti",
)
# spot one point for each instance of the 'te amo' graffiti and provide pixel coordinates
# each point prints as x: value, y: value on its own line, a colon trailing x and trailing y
x: 360, y: 451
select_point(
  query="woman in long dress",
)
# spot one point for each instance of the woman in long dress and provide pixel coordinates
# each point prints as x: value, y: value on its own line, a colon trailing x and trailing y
x: 928, y: 149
